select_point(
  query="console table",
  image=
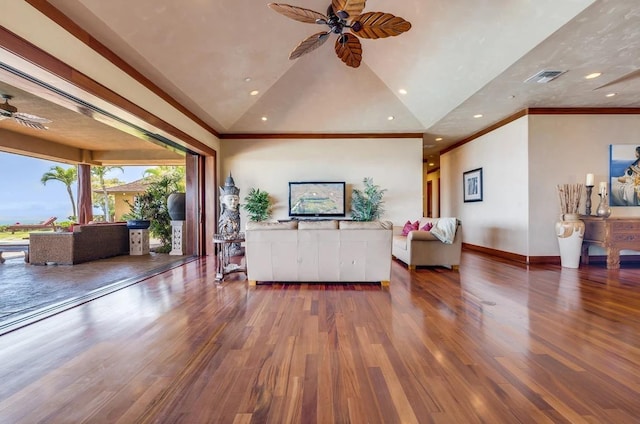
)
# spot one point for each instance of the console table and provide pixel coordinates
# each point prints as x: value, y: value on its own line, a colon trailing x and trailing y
x: 612, y: 234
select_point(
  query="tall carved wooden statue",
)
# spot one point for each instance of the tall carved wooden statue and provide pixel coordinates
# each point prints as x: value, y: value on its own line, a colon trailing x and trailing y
x: 229, y: 221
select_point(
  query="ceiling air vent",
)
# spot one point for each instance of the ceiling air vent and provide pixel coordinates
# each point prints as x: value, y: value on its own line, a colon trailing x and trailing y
x: 544, y: 77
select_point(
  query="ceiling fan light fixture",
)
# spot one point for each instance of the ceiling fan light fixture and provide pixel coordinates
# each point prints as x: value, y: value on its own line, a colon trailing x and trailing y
x: 28, y: 120
x: 342, y: 14
x: 5, y: 108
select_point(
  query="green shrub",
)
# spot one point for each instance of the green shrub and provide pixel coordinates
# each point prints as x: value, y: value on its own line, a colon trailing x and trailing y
x: 152, y: 205
x: 367, y: 205
x: 257, y: 205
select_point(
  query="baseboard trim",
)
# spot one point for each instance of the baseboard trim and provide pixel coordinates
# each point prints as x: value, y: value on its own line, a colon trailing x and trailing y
x: 534, y: 260
x: 498, y: 253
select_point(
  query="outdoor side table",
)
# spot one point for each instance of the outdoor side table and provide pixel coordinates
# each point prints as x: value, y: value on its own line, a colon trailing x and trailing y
x: 223, y: 243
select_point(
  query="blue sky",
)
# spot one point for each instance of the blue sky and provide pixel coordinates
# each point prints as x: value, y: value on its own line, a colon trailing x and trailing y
x: 24, y: 199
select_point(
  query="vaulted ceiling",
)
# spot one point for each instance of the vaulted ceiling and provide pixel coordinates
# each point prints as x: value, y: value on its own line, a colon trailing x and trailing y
x: 459, y: 59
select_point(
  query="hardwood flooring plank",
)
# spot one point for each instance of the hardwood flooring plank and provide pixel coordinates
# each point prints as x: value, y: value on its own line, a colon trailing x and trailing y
x: 496, y: 342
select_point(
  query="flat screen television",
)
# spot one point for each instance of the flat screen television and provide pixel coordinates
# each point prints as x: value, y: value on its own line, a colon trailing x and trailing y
x: 316, y: 199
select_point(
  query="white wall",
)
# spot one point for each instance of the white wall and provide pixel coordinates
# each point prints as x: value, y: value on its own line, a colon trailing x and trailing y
x: 522, y: 164
x: 563, y: 149
x: 394, y: 164
x: 500, y: 220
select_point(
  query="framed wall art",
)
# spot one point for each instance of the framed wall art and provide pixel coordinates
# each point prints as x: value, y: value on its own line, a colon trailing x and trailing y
x: 624, y: 175
x: 472, y: 185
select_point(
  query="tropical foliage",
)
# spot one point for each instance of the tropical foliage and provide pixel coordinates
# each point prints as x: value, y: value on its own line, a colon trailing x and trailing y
x: 152, y: 205
x: 98, y: 174
x: 257, y: 205
x: 67, y: 176
x: 177, y: 173
x: 367, y: 205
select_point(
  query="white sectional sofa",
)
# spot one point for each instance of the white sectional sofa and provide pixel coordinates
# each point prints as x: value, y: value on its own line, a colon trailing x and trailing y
x: 318, y: 251
x: 442, y: 246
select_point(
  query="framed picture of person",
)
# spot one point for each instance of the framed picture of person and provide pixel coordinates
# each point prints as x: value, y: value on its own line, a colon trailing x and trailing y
x: 472, y: 185
x: 624, y: 175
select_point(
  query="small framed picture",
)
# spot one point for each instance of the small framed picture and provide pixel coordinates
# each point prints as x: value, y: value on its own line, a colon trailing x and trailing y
x: 472, y: 185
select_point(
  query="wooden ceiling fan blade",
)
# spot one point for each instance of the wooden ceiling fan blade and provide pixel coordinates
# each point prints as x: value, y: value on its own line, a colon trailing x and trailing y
x: 353, y: 8
x: 297, y: 13
x: 31, y: 118
x: 31, y: 121
x: 309, y: 44
x: 379, y: 25
x: 349, y: 50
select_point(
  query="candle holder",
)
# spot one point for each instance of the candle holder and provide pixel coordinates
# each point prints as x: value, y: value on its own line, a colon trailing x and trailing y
x: 587, y: 203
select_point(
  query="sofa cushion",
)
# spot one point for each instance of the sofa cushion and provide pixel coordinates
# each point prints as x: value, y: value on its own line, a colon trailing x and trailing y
x: 422, y: 235
x: 366, y: 225
x: 288, y: 225
x: 427, y: 227
x: 318, y: 225
x: 428, y: 220
x: 400, y: 242
x: 409, y: 226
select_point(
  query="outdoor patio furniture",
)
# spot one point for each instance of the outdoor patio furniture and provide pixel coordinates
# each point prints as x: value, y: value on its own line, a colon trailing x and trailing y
x: 49, y: 224
x: 14, y: 247
x: 86, y: 243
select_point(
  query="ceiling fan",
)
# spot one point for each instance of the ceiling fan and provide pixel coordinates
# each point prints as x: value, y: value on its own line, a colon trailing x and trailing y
x: 28, y: 120
x: 343, y: 14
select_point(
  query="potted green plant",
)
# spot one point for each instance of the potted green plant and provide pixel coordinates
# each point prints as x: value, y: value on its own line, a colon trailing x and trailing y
x: 141, y: 212
x: 366, y: 205
x: 258, y: 205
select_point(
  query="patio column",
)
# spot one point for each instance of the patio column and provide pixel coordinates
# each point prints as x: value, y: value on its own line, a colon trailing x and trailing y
x: 85, y: 207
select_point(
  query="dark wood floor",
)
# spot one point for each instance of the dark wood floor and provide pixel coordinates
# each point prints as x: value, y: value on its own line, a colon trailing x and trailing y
x: 495, y: 343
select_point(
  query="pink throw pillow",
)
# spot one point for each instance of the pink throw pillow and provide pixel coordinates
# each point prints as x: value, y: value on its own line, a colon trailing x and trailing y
x: 427, y: 227
x: 408, y: 226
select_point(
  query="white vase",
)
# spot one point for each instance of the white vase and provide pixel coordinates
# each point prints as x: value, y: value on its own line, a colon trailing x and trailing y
x: 570, y: 232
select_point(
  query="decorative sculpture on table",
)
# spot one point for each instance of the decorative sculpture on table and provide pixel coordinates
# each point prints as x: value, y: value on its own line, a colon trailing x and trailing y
x: 229, y: 221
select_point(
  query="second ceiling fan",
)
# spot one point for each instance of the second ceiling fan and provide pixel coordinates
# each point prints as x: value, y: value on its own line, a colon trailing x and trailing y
x: 341, y: 15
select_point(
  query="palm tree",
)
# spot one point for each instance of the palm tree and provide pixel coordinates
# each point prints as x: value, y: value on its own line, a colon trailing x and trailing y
x: 67, y: 176
x: 99, y: 172
x: 175, y: 173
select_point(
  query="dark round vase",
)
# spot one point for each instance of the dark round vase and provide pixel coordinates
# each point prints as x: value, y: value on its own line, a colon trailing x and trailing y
x: 176, y: 206
x: 138, y: 224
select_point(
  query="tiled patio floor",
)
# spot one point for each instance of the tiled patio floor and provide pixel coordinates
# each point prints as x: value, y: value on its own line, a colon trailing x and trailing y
x: 31, y: 292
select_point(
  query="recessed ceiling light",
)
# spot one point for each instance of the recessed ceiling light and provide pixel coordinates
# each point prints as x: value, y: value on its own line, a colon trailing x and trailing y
x: 247, y: 79
x: 478, y: 115
x: 390, y: 118
x: 611, y: 94
x: 439, y: 139
x: 593, y: 75
x: 264, y: 118
x: 402, y: 91
x: 254, y: 92
x: 431, y: 163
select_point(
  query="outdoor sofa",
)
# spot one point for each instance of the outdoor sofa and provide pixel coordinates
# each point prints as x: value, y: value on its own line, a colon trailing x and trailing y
x: 85, y: 243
